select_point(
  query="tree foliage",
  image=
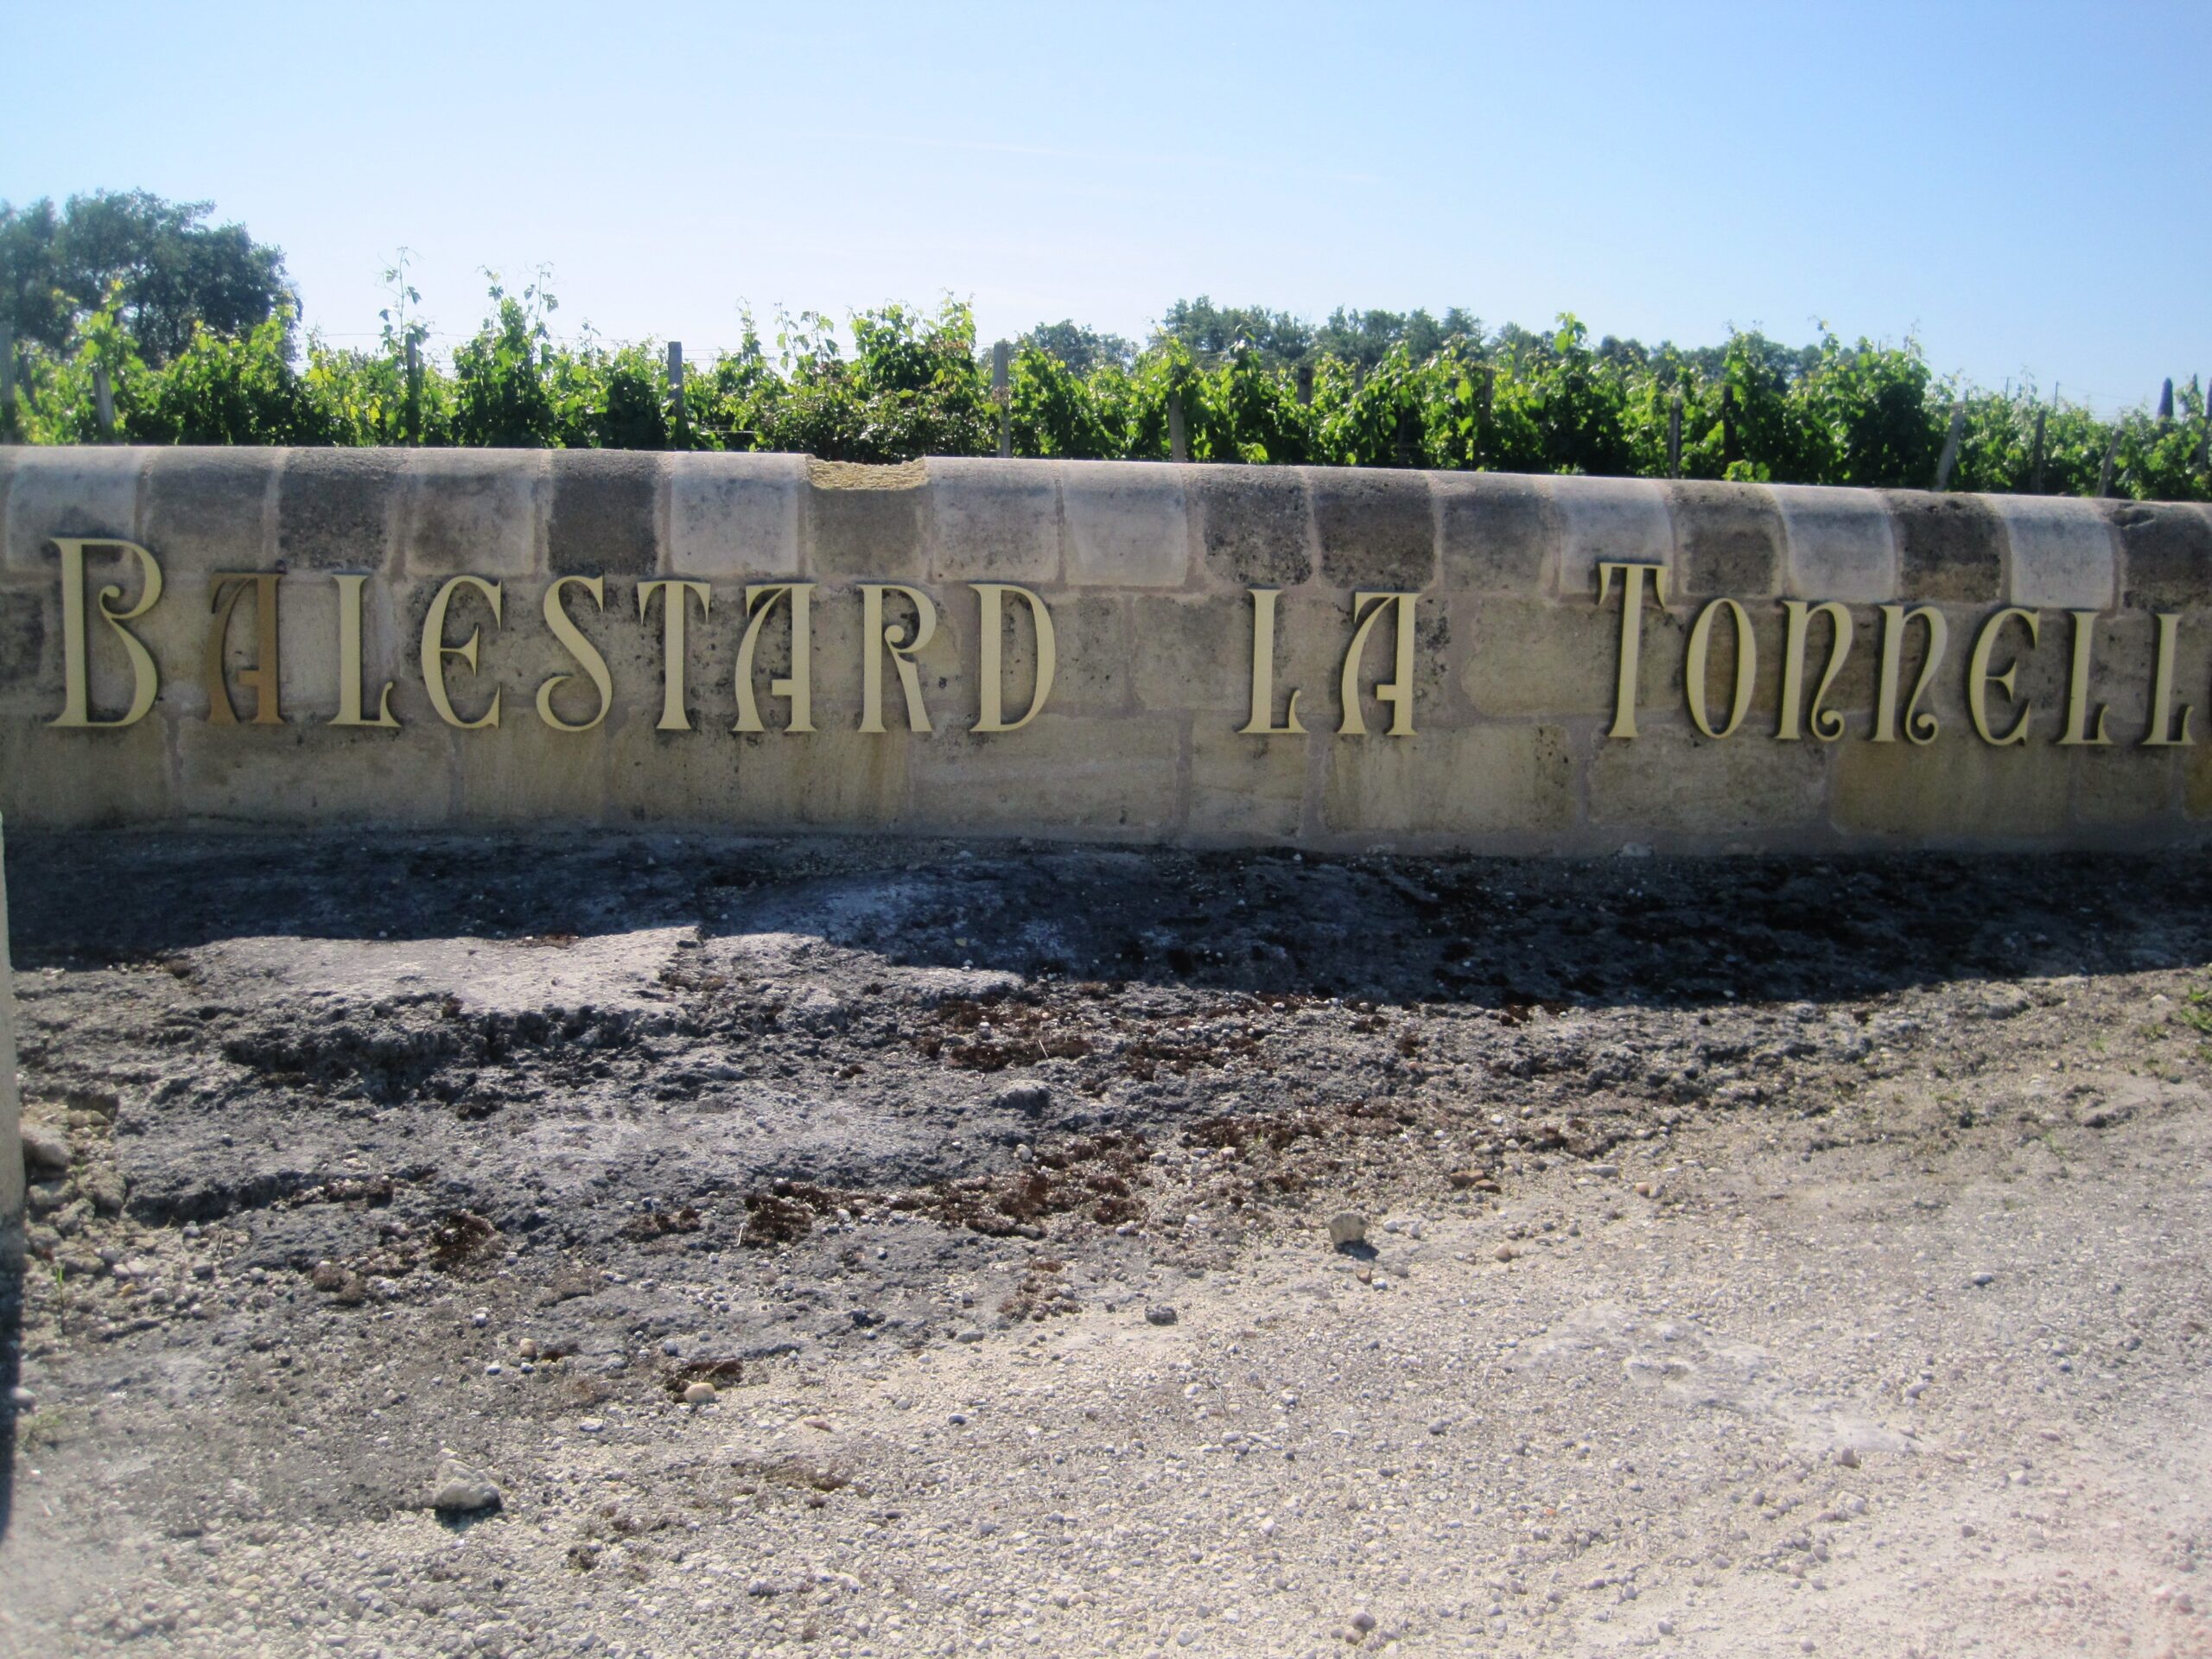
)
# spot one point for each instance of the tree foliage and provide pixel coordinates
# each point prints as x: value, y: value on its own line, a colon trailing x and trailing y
x: 158, y: 265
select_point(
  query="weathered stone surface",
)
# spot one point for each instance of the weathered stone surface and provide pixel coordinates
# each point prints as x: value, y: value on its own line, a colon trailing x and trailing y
x: 208, y: 509
x: 58, y: 491
x: 472, y: 511
x: 1603, y: 520
x: 1730, y: 539
x: 1496, y: 533
x: 1673, y: 782
x: 2061, y: 551
x: 735, y: 518
x: 1509, y: 781
x: 605, y: 508
x: 1378, y: 529
x: 1255, y: 524
x: 865, y: 521
x: 1842, y: 543
x: 1128, y: 523
x: 2165, y: 555
x: 1959, y: 792
x: 1245, y: 789
x: 1111, y: 777
x: 1950, y: 547
x: 334, y: 509
x: 995, y: 521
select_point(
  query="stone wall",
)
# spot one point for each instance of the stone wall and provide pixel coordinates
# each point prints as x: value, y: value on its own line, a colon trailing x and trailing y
x: 1147, y: 572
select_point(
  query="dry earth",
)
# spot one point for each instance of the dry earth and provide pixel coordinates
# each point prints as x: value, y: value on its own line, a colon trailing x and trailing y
x: 865, y: 1249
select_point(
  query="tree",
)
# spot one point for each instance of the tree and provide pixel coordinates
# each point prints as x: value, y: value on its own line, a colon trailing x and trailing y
x: 1080, y: 348
x: 167, y: 268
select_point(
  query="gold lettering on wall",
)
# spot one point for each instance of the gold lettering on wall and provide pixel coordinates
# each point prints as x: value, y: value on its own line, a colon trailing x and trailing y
x: 674, y: 716
x: 1747, y: 660
x: 1261, y: 724
x: 436, y: 650
x: 2077, y: 684
x: 798, y: 689
x: 76, y: 647
x: 224, y: 589
x: 586, y: 653
x: 1919, y: 726
x: 1631, y: 651
x: 1979, y: 679
x: 991, y: 712
x: 349, y: 661
x: 1398, y: 691
x: 2161, y: 735
x: 878, y: 640
x: 1826, y: 723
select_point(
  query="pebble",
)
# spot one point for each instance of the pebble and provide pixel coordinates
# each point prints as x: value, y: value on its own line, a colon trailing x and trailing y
x: 1160, y: 1313
x: 45, y: 1151
x: 461, y: 1490
x: 589, y: 1426
x: 1504, y: 1252
x: 22, y: 1399
x: 699, y: 1393
x: 1666, y: 1627
x: 1347, y: 1227
x: 1847, y: 1456
x: 1363, y: 1621
x: 1605, y: 1172
x: 1985, y: 1278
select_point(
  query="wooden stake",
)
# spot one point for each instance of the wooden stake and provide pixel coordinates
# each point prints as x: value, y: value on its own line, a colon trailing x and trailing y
x: 1674, y: 435
x: 1306, y: 385
x: 7, y: 383
x: 1002, y: 395
x: 1950, y: 456
x: 414, y: 392
x: 2036, y: 486
x: 677, y: 435
x: 2104, y: 473
x: 104, y: 401
x: 1178, y: 440
x: 2166, y: 402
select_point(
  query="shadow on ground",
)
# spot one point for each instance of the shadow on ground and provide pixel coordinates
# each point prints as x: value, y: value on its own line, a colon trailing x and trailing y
x: 1484, y: 932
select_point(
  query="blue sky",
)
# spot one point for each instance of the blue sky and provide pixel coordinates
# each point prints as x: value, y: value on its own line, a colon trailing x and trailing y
x: 2027, y: 187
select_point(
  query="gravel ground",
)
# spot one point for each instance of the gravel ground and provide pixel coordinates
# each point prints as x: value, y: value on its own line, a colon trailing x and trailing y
x: 646, y: 1245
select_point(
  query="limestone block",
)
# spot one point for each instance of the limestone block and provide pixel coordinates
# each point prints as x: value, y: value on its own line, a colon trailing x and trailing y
x: 837, y: 777
x: 1495, y: 531
x: 1245, y: 788
x: 865, y: 522
x: 71, y: 492
x: 734, y: 517
x: 52, y: 779
x: 11, y: 1110
x: 1949, y: 547
x: 2064, y: 552
x: 30, y: 647
x: 1255, y: 524
x: 306, y: 649
x: 1603, y: 520
x: 1513, y: 780
x: 311, y: 772
x: 209, y: 509
x: 2126, y: 788
x: 606, y: 513
x: 1672, y: 780
x: 995, y: 520
x: 1729, y: 539
x: 1841, y: 543
x: 523, y: 772
x: 1065, y: 772
x: 1091, y: 670
x: 1956, y: 790
x: 657, y: 777
x: 336, y: 509
x: 1196, y: 653
x: 472, y: 511
x: 2166, y: 554
x: 1378, y: 529
x: 2196, y: 782
x: 1128, y: 523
